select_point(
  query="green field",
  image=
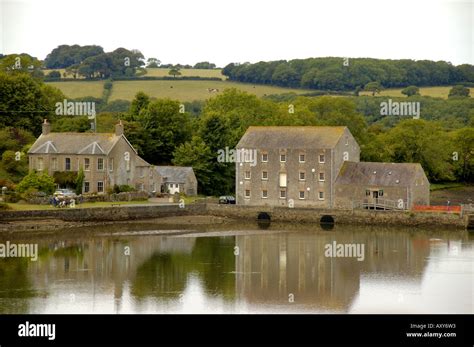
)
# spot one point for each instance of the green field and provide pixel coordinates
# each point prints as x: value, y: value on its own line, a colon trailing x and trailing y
x: 179, y: 90
x: 436, y: 92
x: 80, y: 89
x: 159, y: 72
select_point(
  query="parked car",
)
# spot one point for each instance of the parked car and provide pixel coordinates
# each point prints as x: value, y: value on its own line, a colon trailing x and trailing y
x: 65, y: 193
x: 226, y: 199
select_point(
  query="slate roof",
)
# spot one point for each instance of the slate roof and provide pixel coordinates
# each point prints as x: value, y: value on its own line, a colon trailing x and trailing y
x: 378, y: 174
x: 299, y: 137
x: 174, y: 174
x: 74, y: 143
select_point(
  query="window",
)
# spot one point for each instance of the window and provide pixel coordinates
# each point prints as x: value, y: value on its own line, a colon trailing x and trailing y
x: 100, y: 164
x: 282, y: 194
x: 264, y: 194
x: 67, y: 164
x: 322, y: 158
x: 302, y: 176
x: 100, y: 187
x: 54, y: 164
x: 264, y: 157
x: 111, y: 164
x: 247, y: 175
x: 247, y: 193
x: 367, y: 192
x: 381, y: 192
x: 87, y: 187
x: 87, y: 164
x: 302, y: 158
x: 321, y: 177
x: 264, y: 175
x: 282, y: 179
x: 321, y: 195
x: 301, y: 194
x: 40, y: 164
x: 282, y: 158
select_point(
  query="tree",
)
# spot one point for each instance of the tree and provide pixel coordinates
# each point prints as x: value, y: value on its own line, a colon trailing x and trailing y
x: 174, y: 72
x: 204, y: 65
x: 54, y: 75
x: 411, y: 90
x: 463, y: 154
x: 153, y: 63
x: 460, y: 91
x: 199, y: 156
x: 139, y: 103
x: 79, y: 181
x: 373, y: 87
x: 65, y: 56
x: 36, y: 182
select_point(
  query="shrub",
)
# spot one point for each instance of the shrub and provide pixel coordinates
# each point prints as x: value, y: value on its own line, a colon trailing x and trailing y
x: 36, y: 182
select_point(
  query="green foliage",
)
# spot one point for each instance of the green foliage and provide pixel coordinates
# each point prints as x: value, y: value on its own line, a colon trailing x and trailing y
x: 373, y: 87
x: 204, y: 65
x: 460, y: 91
x: 38, y: 182
x: 79, y: 181
x: 24, y: 102
x: 332, y: 74
x: 66, y: 179
x: 174, y: 72
x: 53, y: 75
x: 121, y: 189
x: 411, y: 90
x: 153, y: 63
x: 65, y: 56
x: 198, y: 155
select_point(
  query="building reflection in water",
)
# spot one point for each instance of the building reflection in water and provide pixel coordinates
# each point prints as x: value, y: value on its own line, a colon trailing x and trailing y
x: 279, y: 270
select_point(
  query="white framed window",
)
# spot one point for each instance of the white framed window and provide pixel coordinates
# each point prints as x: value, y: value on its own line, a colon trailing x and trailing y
x: 322, y: 158
x: 282, y: 158
x: 302, y: 158
x: 321, y: 195
x: 87, y: 164
x: 54, y: 164
x: 111, y: 164
x: 100, y: 186
x: 247, y: 175
x: 301, y: 194
x: 264, y: 175
x: 321, y: 177
x: 283, y: 179
x: 282, y: 194
x: 100, y: 164
x: 40, y: 164
x: 87, y: 187
x: 302, y: 176
x: 264, y: 194
x: 264, y: 157
x: 247, y: 193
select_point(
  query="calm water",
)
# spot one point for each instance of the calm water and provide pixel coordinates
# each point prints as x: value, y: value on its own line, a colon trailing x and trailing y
x: 240, y: 269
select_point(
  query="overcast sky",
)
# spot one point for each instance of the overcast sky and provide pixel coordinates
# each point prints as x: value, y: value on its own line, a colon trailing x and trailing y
x: 223, y: 31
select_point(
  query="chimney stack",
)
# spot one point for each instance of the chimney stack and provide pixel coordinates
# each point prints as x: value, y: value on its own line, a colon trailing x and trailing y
x: 46, y: 127
x: 119, y: 128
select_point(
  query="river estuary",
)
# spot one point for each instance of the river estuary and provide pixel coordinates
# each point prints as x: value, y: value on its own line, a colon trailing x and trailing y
x: 240, y: 268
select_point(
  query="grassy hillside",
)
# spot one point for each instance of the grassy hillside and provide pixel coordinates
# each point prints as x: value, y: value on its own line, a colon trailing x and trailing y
x: 180, y: 90
x: 437, y: 92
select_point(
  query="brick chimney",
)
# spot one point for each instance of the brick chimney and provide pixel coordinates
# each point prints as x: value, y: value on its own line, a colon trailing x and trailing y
x: 46, y: 127
x: 119, y: 128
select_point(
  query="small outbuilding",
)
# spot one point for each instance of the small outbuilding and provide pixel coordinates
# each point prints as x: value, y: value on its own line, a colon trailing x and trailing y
x: 177, y: 179
x: 381, y: 185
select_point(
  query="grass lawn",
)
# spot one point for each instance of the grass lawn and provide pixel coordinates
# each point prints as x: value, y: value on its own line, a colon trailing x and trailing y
x: 437, y: 92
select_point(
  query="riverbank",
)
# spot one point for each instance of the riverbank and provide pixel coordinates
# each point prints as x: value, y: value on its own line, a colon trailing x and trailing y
x: 12, y: 221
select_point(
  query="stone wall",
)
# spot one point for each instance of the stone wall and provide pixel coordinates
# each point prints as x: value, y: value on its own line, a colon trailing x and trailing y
x: 247, y: 213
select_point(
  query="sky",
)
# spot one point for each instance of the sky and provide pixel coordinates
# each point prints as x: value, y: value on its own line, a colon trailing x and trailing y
x: 225, y: 31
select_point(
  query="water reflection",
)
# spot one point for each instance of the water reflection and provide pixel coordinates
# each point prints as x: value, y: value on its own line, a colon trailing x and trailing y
x: 279, y: 269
